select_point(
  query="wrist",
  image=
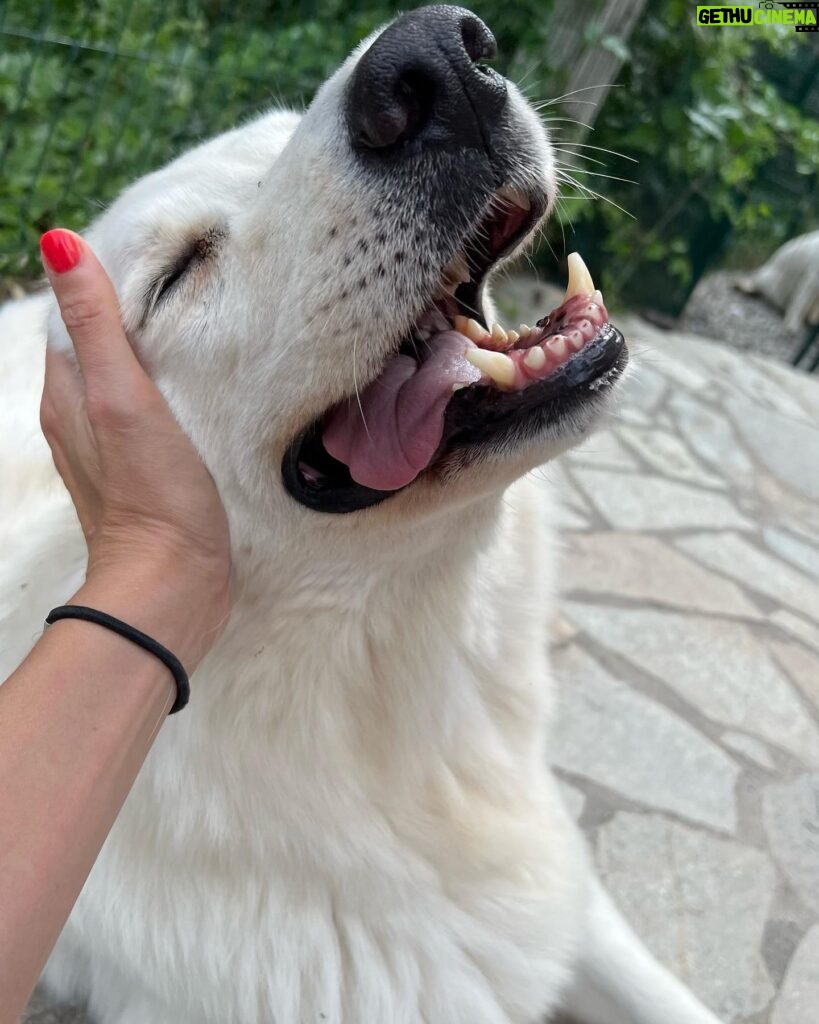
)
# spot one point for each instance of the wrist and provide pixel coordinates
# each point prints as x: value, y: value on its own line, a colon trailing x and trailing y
x: 165, y: 595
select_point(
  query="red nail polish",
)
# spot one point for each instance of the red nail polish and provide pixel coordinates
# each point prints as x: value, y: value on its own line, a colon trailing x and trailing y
x: 61, y: 250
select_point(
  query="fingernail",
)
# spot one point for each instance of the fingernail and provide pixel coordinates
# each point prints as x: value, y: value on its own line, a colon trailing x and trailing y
x: 61, y: 250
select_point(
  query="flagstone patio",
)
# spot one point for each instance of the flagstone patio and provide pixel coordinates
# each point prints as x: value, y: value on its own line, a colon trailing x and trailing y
x: 688, y: 650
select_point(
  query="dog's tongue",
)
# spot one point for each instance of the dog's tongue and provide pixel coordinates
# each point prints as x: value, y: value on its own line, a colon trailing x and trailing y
x: 393, y: 434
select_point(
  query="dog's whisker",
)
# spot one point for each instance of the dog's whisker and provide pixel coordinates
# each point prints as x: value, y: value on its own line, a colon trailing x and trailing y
x: 598, y: 174
x: 356, y: 388
x: 576, y: 92
x: 567, y: 120
x: 586, y: 103
x: 602, y: 149
x: 576, y: 156
x: 591, y: 194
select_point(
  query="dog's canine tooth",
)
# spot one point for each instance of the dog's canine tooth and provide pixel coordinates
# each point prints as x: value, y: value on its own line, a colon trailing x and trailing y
x: 535, y: 358
x: 496, y: 365
x: 457, y: 270
x: 580, y: 280
x: 512, y: 195
x: 446, y: 289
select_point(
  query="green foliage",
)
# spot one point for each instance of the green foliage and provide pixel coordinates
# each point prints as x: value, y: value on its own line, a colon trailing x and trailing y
x: 722, y: 155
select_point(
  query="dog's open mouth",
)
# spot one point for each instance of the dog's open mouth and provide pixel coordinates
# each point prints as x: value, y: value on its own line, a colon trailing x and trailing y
x: 457, y: 381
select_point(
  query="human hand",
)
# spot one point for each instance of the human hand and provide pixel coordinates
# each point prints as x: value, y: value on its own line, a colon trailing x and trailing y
x: 147, y: 505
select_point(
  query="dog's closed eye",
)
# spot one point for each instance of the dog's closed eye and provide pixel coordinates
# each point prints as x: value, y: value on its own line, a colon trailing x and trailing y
x: 196, y: 252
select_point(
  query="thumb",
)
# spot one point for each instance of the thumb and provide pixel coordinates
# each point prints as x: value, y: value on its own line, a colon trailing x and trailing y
x: 90, y: 311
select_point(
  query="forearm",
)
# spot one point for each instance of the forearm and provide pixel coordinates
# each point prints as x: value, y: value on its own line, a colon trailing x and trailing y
x: 83, y: 710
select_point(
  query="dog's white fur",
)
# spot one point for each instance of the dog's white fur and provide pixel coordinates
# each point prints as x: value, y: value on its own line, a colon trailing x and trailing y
x: 353, y: 821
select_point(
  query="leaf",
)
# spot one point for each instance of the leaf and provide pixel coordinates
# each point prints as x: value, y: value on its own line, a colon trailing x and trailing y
x: 617, y: 46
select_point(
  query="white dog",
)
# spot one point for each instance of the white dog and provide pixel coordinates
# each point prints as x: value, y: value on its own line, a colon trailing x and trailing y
x: 353, y: 821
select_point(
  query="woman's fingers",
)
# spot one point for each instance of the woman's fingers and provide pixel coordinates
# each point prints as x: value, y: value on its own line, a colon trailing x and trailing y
x: 90, y: 311
x: 69, y: 435
x: 63, y: 390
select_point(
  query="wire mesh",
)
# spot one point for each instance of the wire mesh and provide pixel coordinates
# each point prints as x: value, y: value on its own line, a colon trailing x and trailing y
x: 94, y: 95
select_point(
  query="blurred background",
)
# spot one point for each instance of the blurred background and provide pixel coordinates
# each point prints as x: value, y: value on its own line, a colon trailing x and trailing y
x: 686, y: 150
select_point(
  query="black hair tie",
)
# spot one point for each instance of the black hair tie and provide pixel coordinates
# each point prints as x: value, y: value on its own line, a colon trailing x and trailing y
x: 147, y: 643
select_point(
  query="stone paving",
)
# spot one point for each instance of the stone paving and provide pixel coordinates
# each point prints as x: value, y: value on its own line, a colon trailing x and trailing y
x: 688, y: 651
x: 687, y: 645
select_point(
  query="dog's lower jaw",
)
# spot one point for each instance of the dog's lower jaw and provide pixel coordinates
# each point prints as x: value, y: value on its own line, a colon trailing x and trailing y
x: 361, y: 792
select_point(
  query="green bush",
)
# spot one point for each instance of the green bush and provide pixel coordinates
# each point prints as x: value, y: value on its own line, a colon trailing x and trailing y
x: 727, y: 168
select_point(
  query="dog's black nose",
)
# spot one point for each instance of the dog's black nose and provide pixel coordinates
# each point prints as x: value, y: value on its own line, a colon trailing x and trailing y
x: 423, y: 77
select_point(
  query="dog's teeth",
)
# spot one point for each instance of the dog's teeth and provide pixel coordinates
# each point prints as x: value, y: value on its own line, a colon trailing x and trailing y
x: 499, y: 335
x: 597, y: 296
x: 471, y: 329
x: 512, y: 195
x: 493, y: 364
x: 580, y: 280
x: 456, y: 270
x: 557, y: 346
x: 446, y: 289
x: 512, y: 337
x: 535, y: 358
x: 524, y: 330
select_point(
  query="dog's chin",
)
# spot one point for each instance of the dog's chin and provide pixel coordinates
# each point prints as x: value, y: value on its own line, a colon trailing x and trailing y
x: 456, y: 396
